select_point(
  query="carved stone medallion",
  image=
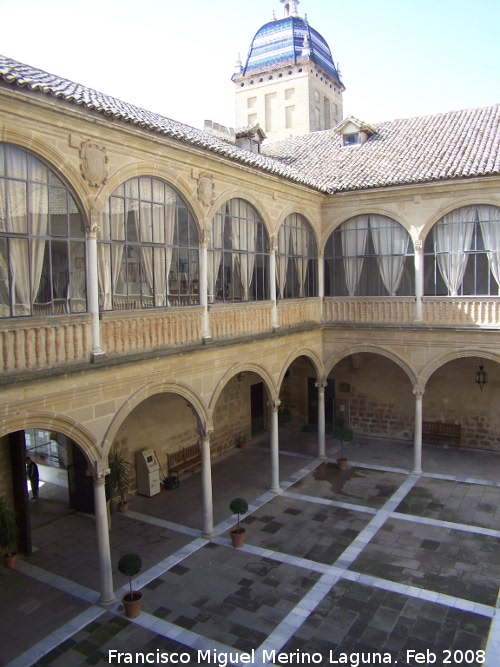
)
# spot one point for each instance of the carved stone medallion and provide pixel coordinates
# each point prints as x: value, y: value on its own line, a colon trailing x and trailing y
x: 94, y: 163
x: 206, y: 189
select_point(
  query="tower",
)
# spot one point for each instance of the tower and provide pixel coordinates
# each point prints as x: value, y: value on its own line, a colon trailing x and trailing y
x: 289, y: 83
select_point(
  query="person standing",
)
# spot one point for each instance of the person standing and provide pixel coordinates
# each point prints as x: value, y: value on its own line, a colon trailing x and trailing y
x: 33, y: 476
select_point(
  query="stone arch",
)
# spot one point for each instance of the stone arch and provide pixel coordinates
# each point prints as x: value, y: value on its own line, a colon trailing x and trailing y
x: 308, y: 354
x: 367, y: 210
x: 306, y: 214
x: 438, y: 362
x: 250, y: 197
x: 149, y: 170
x: 141, y: 395
x: 470, y: 200
x: 242, y: 368
x: 57, y: 162
x: 56, y: 422
x: 334, y: 359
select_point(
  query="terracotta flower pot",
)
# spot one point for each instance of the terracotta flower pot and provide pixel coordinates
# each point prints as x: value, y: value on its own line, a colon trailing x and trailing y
x: 10, y: 559
x: 132, y: 603
x: 238, y: 537
x: 342, y: 464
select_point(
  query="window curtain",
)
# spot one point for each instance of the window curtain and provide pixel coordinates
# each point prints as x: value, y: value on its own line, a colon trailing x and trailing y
x: 217, y: 245
x: 390, y: 241
x: 452, y: 240
x: 156, y: 223
x: 489, y: 220
x: 110, y: 255
x: 282, y: 258
x: 300, y: 247
x: 354, y: 234
x: 23, y: 221
x: 243, y: 240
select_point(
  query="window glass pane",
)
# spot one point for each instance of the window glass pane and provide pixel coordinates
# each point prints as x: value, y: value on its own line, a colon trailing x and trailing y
x: 4, y: 280
x: 38, y: 172
x: 16, y: 207
x: 78, y: 290
x: 16, y: 163
x: 145, y: 189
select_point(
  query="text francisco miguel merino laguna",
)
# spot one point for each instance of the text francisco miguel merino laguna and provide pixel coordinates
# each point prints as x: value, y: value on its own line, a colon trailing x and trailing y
x: 223, y: 659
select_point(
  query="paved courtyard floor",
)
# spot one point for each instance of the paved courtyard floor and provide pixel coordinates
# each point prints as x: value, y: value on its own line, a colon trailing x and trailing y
x: 373, y: 563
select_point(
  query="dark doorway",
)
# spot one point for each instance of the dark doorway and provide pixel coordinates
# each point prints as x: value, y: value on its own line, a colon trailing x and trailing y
x: 257, y: 407
x: 312, y: 395
x: 80, y: 485
x: 20, y: 490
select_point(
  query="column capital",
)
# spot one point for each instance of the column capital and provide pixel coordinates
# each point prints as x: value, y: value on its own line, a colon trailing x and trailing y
x: 419, y: 247
x: 205, y: 238
x: 273, y: 243
x: 93, y: 224
x: 418, y: 390
x: 274, y: 405
x: 321, y: 385
x: 206, y: 429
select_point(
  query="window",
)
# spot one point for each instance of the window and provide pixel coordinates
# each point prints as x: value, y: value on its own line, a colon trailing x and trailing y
x: 270, y: 106
x: 326, y: 110
x: 369, y: 255
x: 289, y: 114
x: 238, y: 260
x: 462, y: 253
x: 350, y: 139
x: 42, y: 240
x: 148, y: 251
x: 296, y: 260
x: 251, y: 102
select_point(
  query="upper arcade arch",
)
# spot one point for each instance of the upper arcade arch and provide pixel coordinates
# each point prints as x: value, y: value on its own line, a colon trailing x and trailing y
x: 235, y: 370
x: 311, y: 356
x: 438, y: 362
x: 248, y: 196
x: 338, y: 356
x: 368, y: 209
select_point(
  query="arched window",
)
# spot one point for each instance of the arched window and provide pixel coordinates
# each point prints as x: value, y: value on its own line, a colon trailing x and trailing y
x: 296, y: 259
x: 42, y: 240
x: 148, y: 248
x: 462, y: 253
x: 238, y: 261
x: 369, y: 255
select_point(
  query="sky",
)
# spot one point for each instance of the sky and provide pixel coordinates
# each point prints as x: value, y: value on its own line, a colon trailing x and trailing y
x: 397, y: 58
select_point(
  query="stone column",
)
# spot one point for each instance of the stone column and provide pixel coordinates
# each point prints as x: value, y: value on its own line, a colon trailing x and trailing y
x: 205, y: 325
x: 321, y: 419
x: 417, y: 445
x: 275, y: 461
x: 272, y: 280
x: 321, y: 279
x: 93, y: 286
x: 419, y: 280
x: 101, y: 524
x: 206, y: 483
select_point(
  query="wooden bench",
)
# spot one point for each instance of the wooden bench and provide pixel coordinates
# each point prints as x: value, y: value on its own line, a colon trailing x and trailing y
x: 439, y: 433
x: 188, y: 458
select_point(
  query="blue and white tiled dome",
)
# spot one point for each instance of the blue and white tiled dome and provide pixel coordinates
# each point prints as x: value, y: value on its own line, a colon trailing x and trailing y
x: 288, y: 41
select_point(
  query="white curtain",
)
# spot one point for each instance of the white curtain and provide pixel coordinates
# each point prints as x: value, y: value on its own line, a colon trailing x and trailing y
x: 390, y: 241
x: 217, y: 245
x: 300, y: 247
x: 489, y: 220
x: 110, y: 255
x: 452, y: 239
x: 21, y: 220
x: 243, y: 230
x: 354, y: 234
x: 282, y: 258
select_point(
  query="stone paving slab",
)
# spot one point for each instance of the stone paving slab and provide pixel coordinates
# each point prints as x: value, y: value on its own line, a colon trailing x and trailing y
x: 304, y: 529
x: 454, y: 562
x: 228, y: 595
x: 34, y: 610
x: 355, y: 619
x: 356, y: 485
x: 459, y: 502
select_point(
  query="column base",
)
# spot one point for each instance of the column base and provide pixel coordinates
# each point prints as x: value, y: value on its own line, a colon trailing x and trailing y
x: 417, y: 472
x: 209, y: 536
x: 98, y: 356
x: 107, y: 603
x: 276, y: 490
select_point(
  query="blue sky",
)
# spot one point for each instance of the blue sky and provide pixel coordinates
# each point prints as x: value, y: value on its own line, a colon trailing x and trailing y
x: 398, y: 58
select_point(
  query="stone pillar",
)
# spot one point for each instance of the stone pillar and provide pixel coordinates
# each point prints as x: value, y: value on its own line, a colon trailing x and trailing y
x: 206, y: 484
x: 321, y: 274
x: 417, y: 445
x: 272, y: 280
x: 275, y: 461
x: 321, y: 419
x: 205, y: 325
x: 419, y: 280
x: 104, y: 553
x: 93, y: 286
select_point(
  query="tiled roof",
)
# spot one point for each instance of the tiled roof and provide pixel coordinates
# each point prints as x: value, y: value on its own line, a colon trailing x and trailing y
x: 445, y: 146
x: 450, y: 145
x: 25, y: 76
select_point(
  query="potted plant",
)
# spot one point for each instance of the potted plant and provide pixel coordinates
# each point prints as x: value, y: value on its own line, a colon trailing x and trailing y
x: 130, y: 565
x: 9, y: 533
x: 238, y: 506
x: 118, y: 477
x: 344, y: 434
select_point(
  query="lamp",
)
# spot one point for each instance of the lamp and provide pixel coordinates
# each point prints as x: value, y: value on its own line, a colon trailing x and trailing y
x: 481, y: 377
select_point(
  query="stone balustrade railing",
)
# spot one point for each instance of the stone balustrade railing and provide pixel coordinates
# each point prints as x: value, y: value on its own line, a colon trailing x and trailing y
x: 30, y: 344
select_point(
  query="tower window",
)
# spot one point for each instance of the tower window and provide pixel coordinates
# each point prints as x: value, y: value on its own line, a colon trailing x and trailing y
x: 351, y: 139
